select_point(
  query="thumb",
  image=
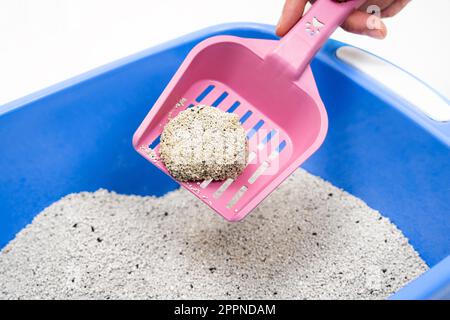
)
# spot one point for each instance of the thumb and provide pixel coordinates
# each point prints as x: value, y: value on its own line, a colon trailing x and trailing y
x: 360, y: 22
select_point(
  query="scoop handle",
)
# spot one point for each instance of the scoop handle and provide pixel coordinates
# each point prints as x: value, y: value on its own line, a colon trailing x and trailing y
x: 297, y: 48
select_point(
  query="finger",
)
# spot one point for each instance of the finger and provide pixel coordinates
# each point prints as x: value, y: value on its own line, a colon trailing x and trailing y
x: 381, y: 4
x: 394, y: 8
x: 292, y: 12
x: 366, y: 24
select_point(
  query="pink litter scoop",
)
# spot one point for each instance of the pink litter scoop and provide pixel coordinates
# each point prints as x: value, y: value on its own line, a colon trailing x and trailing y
x: 270, y: 86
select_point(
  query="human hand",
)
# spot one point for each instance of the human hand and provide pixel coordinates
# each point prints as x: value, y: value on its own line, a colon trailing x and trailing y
x: 361, y: 21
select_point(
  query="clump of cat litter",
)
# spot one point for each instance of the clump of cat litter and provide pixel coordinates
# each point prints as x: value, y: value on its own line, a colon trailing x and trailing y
x: 307, y: 240
x: 203, y: 143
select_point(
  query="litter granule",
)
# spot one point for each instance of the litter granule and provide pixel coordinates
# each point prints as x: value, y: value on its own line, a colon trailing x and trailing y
x: 203, y: 143
x: 307, y: 240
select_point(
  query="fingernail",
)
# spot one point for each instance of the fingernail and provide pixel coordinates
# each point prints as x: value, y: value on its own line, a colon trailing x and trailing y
x: 278, y: 24
x: 377, y: 34
x: 374, y: 34
x: 277, y: 29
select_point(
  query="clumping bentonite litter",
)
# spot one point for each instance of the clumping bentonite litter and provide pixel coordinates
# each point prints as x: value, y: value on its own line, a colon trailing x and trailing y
x: 203, y: 143
x: 307, y: 240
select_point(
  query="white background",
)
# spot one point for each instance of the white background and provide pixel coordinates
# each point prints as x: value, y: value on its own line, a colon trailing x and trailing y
x: 43, y: 42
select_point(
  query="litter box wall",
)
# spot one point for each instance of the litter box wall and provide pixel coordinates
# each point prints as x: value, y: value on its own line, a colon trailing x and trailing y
x: 76, y: 136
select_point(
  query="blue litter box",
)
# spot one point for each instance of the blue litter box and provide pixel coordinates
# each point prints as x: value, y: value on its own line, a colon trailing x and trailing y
x: 76, y: 136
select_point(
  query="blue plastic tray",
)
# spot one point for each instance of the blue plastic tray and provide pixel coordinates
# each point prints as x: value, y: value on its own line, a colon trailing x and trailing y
x: 76, y: 136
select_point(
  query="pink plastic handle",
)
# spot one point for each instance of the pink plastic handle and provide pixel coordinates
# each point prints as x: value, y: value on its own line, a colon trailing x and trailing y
x: 296, y: 49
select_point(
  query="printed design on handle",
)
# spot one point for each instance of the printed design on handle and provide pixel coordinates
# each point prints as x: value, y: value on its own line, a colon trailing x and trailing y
x: 298, y: 47
x: 313, y: 27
